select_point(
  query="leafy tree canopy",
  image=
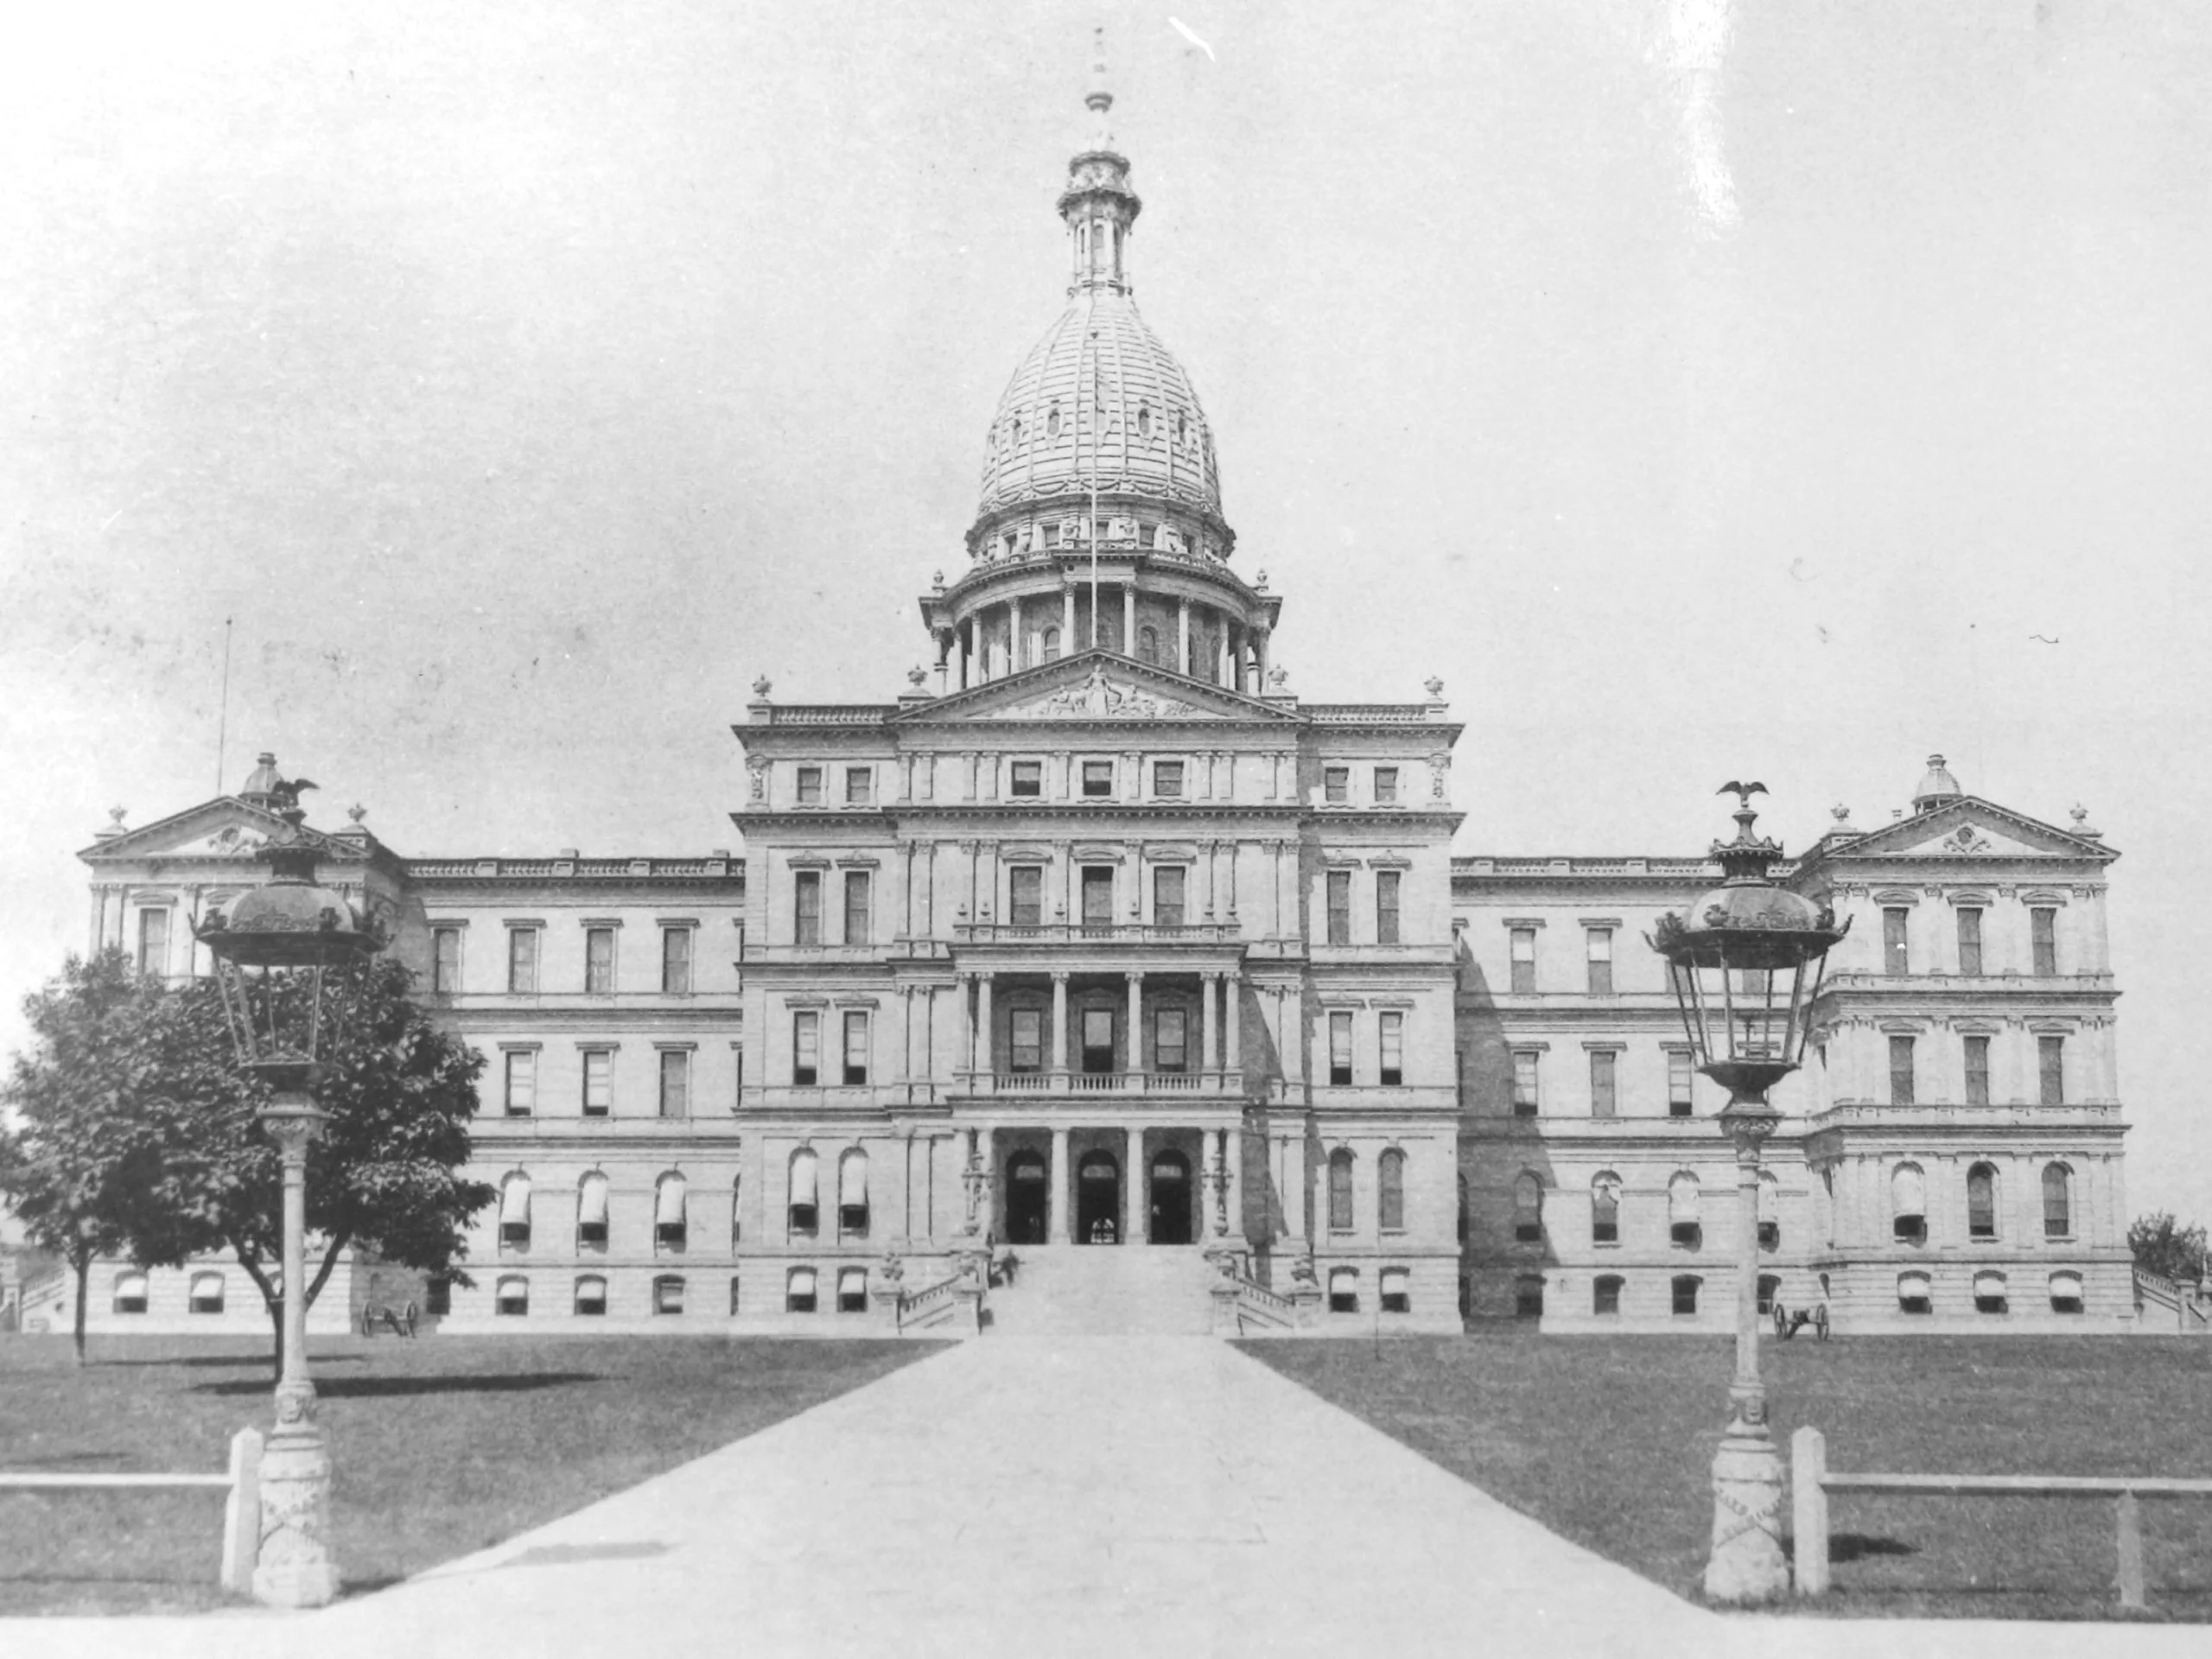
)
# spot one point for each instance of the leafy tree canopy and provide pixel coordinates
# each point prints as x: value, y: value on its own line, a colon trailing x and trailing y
x: 2162, y: 1245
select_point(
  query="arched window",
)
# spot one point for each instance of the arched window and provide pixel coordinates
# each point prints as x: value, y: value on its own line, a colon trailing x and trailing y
x: 1605, y: 1208
x: 1052, y: 422
x: 1606, y: 1295
x: 1344, y: 1290
x: 803, y: 1212
x: 1144, y: 420
x: 1989, y: 1293
x: 1148, y: 645
x: 591, y: 1210
x: 799, y: 1291
x: 1685, y: 1287
x: 130, y: 1293
x: 668, y: 1293
x: 1684, y: 1226
x: 852, y: 1290
x: 2058, y: 1201
x: 1390, y: 1191
x: 852, y: 1195
x: 1982, y: 1202
x: 1916, y: 1293
x: 1529, y: 1296
x: 1769, y: 1211
x: 2066, y: 1292
x: 1017, y: 429
x: 1052, y: 650
x: 1340, y: 1191
x: 671, y: 1229
x: 511, y: 1297
x: 514, y: 1212
x: 591, y: 1296
x: 1907, y: 1204
x: 207, y: 1294
x: 1528, y: 1208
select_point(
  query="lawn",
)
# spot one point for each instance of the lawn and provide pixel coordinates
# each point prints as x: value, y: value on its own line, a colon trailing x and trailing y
x: 442, y: 1447
x: 1609, y: 1441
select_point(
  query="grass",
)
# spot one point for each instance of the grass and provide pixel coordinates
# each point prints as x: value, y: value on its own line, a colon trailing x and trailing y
x: 1608, y: 1442
x: 442, y: 1447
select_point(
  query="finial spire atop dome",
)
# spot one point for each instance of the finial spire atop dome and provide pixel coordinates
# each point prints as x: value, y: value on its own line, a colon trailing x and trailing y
x: 1100, y: 99
x: 1098, y: 205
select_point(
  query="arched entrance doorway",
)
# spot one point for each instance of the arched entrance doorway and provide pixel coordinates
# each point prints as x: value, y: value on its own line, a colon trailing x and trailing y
x: 1098, y: 1199
x: 1171, y: 1199
x: 1027, y: 1198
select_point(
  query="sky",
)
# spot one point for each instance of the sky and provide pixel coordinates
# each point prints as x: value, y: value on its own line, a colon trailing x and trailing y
x: 1699, y: 390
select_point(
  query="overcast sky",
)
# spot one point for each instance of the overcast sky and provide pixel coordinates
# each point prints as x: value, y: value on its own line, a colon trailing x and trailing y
x: 1698, y: 393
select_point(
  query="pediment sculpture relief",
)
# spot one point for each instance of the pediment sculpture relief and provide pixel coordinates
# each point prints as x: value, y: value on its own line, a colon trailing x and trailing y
x: 1101, y: 698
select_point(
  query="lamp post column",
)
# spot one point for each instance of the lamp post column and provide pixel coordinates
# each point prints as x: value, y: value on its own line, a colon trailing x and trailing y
x: 1747, y: 1564
x: 293, y: 1569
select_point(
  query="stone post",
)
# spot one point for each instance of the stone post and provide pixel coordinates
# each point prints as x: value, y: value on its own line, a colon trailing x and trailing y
x: 1747, y: 1564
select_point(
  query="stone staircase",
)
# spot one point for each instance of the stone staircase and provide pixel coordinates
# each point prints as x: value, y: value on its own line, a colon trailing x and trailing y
x: 1104, y: 1290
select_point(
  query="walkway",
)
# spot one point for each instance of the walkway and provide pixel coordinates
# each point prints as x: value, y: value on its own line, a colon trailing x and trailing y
x: 1048, y: 1497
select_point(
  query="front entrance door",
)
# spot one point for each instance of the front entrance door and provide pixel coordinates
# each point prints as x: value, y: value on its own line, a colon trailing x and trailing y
x: 1026, y: 1201
x: 1098, y: 1199
x: 1171, y: 1199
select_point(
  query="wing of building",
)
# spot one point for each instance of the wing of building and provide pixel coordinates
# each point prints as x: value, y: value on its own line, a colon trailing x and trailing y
x: 1099, y: 950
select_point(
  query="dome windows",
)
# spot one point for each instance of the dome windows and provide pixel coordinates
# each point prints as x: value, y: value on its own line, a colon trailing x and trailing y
x: 1017, y: 429
x: 1144, y: 421
x: 1052, y: 422
x: 1182, y: 427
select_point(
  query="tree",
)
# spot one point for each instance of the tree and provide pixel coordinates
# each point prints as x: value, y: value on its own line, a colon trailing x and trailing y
x: 2164, y: 1247
x: 100, y: 1154
x: 386, y: 1174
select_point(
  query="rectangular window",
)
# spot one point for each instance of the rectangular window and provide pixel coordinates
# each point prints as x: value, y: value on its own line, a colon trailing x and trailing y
x: 599, y: 1082
x: 806, y: 1047
x: 2050, y: 1071
x: 1896, y: 959
x: 1386, y: 785
x: 806, y: 900
x: 1977, y: 1070
x: 1167, y: 779
x: 1340, y: 890
x: 810, y: 785
x: 153, y: 941
x: 1025, y: 1030
x: 1168, y: 887
x: 1170, y: 1050
x: 857, y: 920
x: 1598, y: 946
x: 522, y: 959
x: 1340, y: 1048
x: 1524, y: 1084
x: 1679, y: 1098
x: 1386, y: 906
x: 1901, y: 1089
x: 1099, y: 895
x: 2043, y: 932
x: 1336, y: 784
x: 676, y: 961
x: 1603, y: 1101
x: 859, y: 786
x: 1097, y: 1040
x: 1525, y: 961
x: 1098, y: 778
x: 674, y: 1083
x: 599, y: 960
x: 445, y: 960
x: 1026, y: 895
x: 1025, y: 778
x: 1393, y: 1055
x: 522, y: 1082
x: 856, y: 1047
x: 1970, y: 941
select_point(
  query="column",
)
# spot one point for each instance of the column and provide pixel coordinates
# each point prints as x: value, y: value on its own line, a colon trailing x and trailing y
x: 1060, y: 1020
x: 1290, y: 1185
x: 1013, y: 634
x: 1233, y: 1152
x: 1229, y: 908
x: 1133, y: 1189
x: 906, y: 1036
x: 1067, y: 619
x: 986, y: 1056
x: 1129, y: 620
x: 1221, y: 651
x: 1207, y: 849
x: 1209, y: 992
x: 988, y: 909
x: 1232, y: 1022
x: 988, y: 1149
x: 1136, y: 1022
x: 926, y: 921
x: 1183, y: 636
x: 1260, y: 651
x: 1057, y: 1191
x: 1290, y: 1038
x: 967, y: 1012
x: 967, y: 643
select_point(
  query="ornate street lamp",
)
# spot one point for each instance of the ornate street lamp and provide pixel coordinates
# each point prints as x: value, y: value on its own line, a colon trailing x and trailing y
x: 1745, y: 969
x: 273, y: 947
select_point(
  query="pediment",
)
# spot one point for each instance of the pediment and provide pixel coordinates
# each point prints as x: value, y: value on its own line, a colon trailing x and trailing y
x: 1096, y: 686
x: 1970, y: 827
x: 225, y: 828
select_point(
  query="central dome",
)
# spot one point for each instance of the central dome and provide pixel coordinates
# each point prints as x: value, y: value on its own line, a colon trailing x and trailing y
x: 1100, y: 403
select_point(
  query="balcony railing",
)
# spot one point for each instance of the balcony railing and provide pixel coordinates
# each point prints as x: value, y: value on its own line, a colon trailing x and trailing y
x: 1123, y: 1085
x: 1099, y: 932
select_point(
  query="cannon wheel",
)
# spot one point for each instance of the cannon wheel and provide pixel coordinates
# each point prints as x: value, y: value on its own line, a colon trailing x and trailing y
x: 369, y: 1320
x: 1820, y: 1322
x: 412, y: 1312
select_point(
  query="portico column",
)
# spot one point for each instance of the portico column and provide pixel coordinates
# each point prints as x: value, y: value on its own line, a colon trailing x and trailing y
x: 1133, y: 1189
x: 1067, y: 620
x: 1013, y: 634
x: 1260, y: 652
x: 1136, y: 1022
x: 1129, y: 620
x: 1233, y: 1154
x: 986, y: 1042
x: 1056, y: 1194
x: 1232, y: 1022
x: 1183, y: 636
x: 1208, y: 992
x: 1060, y: 1019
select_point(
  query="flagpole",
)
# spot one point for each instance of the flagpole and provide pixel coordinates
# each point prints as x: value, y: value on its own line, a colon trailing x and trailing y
x: 1090, y: 347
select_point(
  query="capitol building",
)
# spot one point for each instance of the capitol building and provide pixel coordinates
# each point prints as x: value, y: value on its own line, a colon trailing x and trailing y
x: 1092, y: 981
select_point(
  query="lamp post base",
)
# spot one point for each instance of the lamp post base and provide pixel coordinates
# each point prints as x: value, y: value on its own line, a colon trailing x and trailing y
x: 293, y: 1569
x: 1747, y: 1565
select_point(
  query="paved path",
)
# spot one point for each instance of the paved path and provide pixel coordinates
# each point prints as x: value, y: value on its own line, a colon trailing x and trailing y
x: 1048, y: 1497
